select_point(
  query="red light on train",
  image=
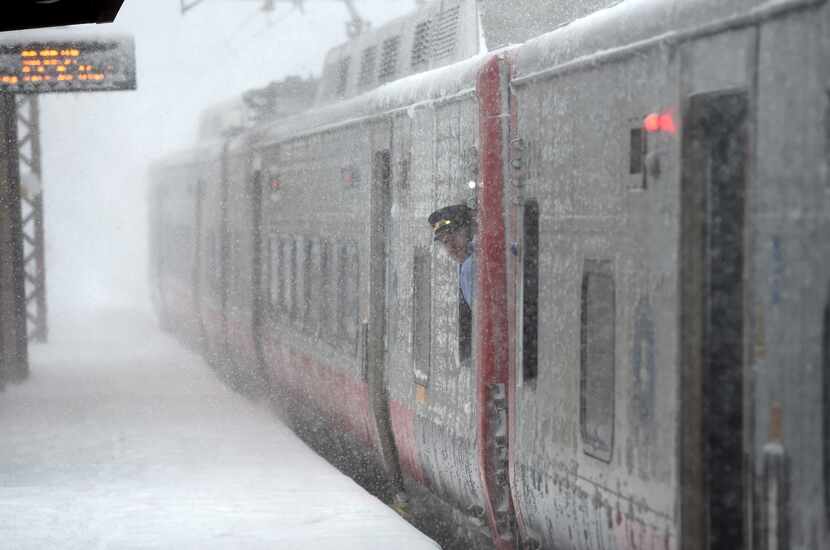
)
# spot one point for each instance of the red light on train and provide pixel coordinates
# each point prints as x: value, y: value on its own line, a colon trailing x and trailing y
x: 667, y: 123
x: 652, y: 123
x: 275, y: 184
x: 660, y: 122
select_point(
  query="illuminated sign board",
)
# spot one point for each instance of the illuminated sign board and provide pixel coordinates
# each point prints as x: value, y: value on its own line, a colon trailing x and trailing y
x: 67, y: 64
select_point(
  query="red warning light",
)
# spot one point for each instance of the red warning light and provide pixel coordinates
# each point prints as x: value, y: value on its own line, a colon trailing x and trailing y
x: 275, y: 184
x: 652, y: 123
x: 660, y: 122
x: 667, y: 123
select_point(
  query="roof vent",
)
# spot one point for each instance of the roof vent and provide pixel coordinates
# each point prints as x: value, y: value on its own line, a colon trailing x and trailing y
x: 420, y: 44
x: 445, y: 33
x: 342, y: 76
x: 389, y: 59
x: 367, y: 67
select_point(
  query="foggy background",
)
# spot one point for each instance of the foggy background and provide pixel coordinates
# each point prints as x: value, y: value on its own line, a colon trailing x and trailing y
x: 97, y: 146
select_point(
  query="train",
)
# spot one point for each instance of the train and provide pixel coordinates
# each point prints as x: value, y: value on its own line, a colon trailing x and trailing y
x: 649, y: 350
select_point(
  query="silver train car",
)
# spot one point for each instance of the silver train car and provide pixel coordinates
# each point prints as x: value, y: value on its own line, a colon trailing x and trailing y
x: 648, y: 360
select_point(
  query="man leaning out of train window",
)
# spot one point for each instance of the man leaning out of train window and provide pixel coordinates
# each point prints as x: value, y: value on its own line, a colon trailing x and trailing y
x: 454, y: 228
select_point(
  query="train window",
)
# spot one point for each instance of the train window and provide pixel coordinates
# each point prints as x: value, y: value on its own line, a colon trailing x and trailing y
x: 530, y: 291
x: 825, y: 358
x: 291, y: 279
x: 367, y: 67
x: 638, y: 177
x: 420, y: 44
x: 597, y: 359
x: 282, y: 277
x: 637, y: 152
x: 326, y: 293
x: 465, y: 330
x: 348, y: 281
x: 303, y: 282
x: 353, y: 310
x: 389, y: 59
x: 342, y: 261
x: 313, y: 286
x: 274, y: 250
x: 421, y: 314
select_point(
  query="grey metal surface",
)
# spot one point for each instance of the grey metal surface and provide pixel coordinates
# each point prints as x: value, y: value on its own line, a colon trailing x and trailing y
x: 14, y: 363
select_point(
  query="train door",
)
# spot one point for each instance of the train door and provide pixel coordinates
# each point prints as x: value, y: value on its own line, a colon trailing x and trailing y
x: 380, y: 214
x: 198, y: 247
x: 259, y: 289
x: 213, y: 268
x: 714, y: 180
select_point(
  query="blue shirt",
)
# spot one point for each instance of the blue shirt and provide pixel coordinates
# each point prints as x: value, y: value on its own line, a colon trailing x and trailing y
x: 466, y: 275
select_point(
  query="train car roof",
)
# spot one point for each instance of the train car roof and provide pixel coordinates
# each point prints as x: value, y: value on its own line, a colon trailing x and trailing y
x: 588, y: 40
x: 604, y: 33
x: 407, y: 93
x: 192, y: 154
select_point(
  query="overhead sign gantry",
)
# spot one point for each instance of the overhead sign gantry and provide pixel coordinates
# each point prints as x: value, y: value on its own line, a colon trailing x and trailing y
x: 46, y: 63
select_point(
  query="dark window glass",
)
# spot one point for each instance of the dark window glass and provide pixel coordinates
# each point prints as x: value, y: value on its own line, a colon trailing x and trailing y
x: 315, y: 293
x: 353, y: 293
x: 597, y: 359
x: 825, y: 358
x: 342, y: 285
x: 285, y: 277
x: 530, y: 291
x: 465, y: 329
x: 304, y: 283
x: 327, y: 327
x: 421, y: 314
x: 291, y: 280
x: 348, y: 294
x: 638, y: 146
x: 274, y: 250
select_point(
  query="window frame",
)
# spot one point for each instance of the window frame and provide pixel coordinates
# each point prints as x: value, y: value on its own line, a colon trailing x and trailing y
x: 591, y: 330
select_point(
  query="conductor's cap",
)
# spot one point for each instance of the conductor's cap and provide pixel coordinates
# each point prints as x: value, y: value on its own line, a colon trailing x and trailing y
x: 448, y: 219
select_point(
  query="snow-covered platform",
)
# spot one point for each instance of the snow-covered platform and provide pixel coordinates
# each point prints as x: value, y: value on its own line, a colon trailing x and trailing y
x: 121, y: 439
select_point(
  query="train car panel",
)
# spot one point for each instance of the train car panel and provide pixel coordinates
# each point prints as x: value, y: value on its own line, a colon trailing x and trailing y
x: 715, y: 386
x: 789, y: 272
x: 445, y: 416
x: 593, y: 368
x: 315, y: 350
x: 242, y: 214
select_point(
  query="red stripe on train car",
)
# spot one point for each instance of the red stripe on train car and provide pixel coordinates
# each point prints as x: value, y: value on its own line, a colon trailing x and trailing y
x: 336, y: 395
x: 403, y: 428
x: 492, y: 342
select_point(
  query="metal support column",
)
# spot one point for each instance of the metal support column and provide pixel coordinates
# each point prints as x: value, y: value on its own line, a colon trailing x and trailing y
x: 14, y: 360
x: 34, y: 262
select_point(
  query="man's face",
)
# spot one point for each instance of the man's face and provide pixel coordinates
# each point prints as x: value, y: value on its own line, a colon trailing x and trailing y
x: 455, y: 243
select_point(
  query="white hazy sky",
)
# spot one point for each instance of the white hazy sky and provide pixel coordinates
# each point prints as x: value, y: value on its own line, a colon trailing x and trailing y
x: 97, y: 146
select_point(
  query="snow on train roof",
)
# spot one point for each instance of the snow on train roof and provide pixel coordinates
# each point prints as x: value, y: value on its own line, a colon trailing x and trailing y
x: 409, y: 92
x: 631, y: 22
x: 191, y: 154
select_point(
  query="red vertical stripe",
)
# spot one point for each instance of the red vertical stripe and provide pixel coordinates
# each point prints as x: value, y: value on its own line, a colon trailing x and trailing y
x: 492, y: 342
